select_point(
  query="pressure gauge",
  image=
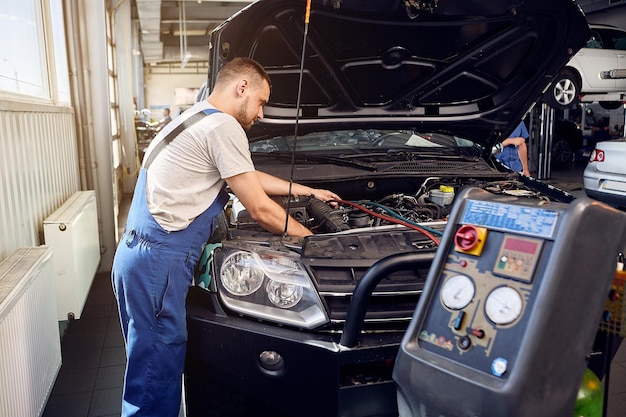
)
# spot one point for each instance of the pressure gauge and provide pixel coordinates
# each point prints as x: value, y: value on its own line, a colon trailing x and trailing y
x: 457, y: 292
x: 503, y: 305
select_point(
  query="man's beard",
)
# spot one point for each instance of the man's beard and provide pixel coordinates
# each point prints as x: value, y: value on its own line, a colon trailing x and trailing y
x: 242, y: 115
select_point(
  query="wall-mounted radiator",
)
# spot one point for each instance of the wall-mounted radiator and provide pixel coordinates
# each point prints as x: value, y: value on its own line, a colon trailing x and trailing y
x: 30, y: 349
x: 72, y: 233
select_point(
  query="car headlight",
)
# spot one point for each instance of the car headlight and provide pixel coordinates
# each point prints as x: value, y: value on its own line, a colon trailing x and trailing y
x: 284, y: 295
x: 270, y: 285
x: 240, y: 274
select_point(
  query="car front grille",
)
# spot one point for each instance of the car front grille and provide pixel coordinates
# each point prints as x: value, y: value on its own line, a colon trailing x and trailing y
x: 394, y: 299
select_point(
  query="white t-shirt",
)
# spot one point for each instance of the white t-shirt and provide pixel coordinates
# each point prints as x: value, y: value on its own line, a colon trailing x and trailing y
x: 187, y: 175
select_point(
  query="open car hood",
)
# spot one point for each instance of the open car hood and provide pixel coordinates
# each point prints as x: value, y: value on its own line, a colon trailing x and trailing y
x: 471, y: 68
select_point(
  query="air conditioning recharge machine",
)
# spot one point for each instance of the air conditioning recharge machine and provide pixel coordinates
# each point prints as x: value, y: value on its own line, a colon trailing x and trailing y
x: 510, y: 309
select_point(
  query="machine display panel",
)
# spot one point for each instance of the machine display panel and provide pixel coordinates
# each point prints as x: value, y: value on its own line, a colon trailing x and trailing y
x: 518, y: 257
x: 531, y: 221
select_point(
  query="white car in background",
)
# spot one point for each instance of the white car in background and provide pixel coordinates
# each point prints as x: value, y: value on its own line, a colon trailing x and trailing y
x: 604, y: 177
x: 592, y: 70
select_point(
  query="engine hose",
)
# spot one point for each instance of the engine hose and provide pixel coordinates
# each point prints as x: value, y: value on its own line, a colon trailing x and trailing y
x: 392, y: 220
x: 326, y: 217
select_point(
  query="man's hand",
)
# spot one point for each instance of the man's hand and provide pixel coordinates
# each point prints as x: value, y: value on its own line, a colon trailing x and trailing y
x: 326, y: 196
x: 277, y: 186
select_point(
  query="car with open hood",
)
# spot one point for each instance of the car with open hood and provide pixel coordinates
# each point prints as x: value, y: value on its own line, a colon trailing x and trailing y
x: 394, y: 105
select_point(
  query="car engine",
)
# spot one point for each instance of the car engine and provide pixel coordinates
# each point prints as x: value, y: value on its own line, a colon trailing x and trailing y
x: 431, y: 202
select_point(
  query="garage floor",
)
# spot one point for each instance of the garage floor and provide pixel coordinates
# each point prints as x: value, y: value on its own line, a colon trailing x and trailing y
x: 89, y: 383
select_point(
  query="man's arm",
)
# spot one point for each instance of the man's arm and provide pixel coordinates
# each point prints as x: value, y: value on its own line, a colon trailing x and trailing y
x: 522, y: 151
x: 277, y: 186
x: 513, y: 141
x: 269, y: 214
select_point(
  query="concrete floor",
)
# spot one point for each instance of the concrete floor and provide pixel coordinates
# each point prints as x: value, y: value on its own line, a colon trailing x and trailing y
x: 89, y: 383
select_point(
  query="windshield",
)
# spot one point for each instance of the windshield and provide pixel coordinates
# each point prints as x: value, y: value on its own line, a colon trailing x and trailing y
x: 360, y: 141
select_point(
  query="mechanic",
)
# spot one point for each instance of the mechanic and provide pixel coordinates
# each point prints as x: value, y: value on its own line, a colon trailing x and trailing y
x: 513, y: 151
x: 178, y: 195
x: 164, y: 120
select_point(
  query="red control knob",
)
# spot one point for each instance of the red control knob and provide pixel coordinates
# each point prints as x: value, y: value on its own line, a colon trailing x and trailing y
x: 466, y: 237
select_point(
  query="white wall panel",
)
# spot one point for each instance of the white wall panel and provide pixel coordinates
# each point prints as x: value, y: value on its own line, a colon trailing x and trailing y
x: 38, y: 170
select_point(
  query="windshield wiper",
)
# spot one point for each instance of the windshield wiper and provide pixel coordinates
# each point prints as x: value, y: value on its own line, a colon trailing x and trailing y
x: 413, y: 155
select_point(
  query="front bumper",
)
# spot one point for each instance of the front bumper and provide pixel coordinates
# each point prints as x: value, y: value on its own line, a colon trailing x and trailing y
x: 318, y: 376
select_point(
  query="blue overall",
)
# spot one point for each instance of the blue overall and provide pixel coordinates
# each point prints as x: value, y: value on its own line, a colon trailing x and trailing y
x: 152, y: 272
x: 509, y: 155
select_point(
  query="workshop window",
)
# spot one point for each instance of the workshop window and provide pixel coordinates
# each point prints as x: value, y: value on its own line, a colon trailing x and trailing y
x: 60, y: 51
x: 33, y: 61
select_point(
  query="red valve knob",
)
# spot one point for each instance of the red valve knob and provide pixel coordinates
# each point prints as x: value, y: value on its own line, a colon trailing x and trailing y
x: 466, y: 237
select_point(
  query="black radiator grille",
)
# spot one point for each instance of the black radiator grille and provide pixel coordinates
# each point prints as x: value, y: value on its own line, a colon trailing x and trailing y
x: 338, y: 262
x: 391, y: 305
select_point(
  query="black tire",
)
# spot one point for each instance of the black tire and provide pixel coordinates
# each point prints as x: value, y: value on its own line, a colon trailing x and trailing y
x: 564, y: 90
x: 562, y: 153
x: 610, y: 105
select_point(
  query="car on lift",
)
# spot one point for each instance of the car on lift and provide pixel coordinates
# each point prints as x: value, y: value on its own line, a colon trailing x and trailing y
x: 604, y: 177
x: 395, y: 106
x: 592, y: 70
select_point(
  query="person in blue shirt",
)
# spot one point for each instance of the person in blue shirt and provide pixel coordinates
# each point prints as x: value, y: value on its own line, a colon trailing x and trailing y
x: 163, y: 121
x: 513, y: 151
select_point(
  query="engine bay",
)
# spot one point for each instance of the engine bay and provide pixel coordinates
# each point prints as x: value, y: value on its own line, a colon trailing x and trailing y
x: 431, y: 202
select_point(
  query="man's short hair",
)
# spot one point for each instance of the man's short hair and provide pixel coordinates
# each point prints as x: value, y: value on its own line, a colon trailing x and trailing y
x: 242, y: 66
